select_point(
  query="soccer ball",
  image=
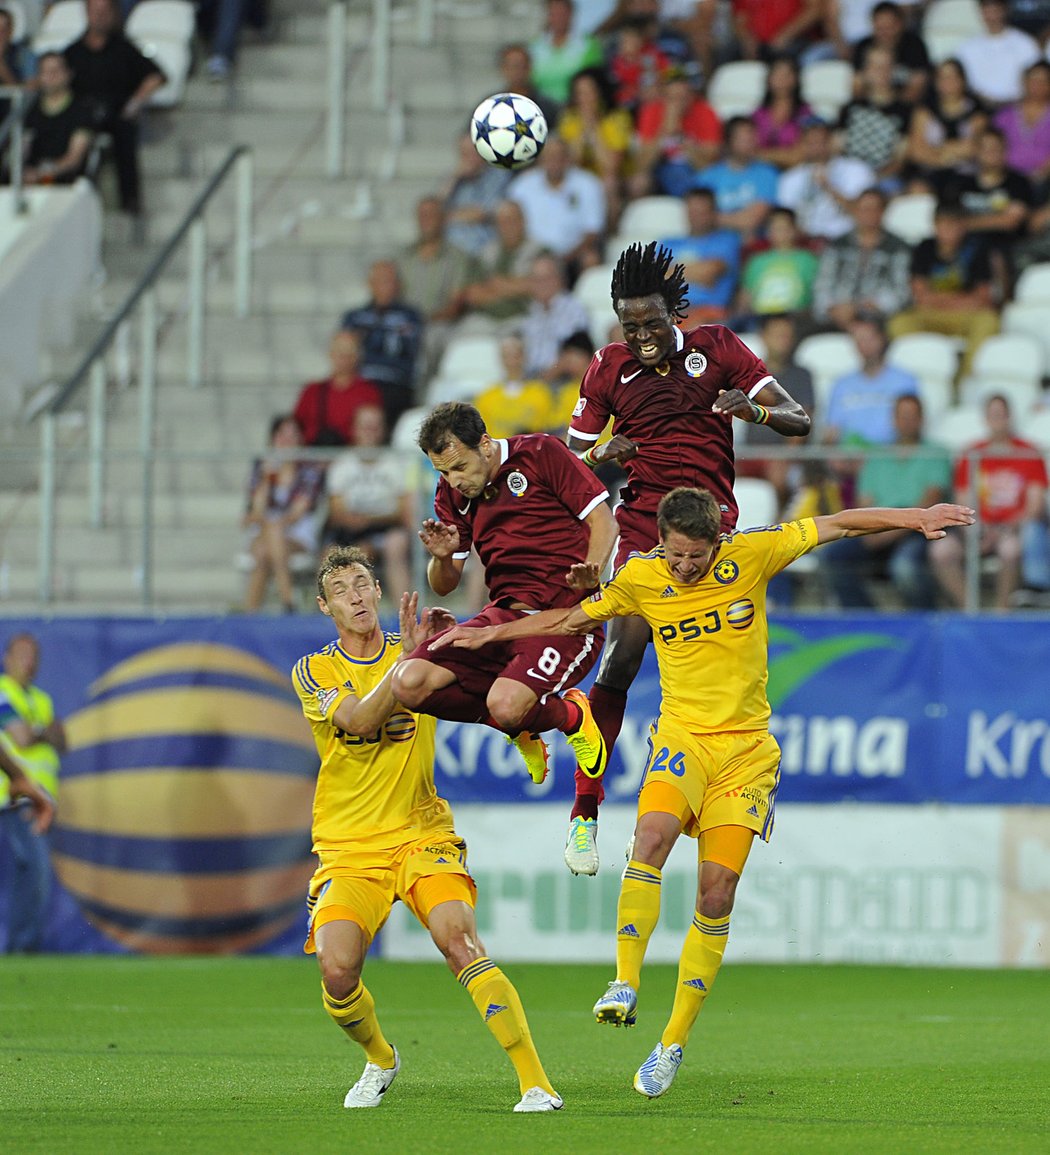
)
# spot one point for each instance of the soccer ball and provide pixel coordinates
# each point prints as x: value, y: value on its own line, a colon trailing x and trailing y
x: 508, y: 130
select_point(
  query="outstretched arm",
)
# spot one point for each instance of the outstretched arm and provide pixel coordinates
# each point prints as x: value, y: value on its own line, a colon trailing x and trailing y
x: 587, y: 574
x: 547, y: 622
x: 931, y: 523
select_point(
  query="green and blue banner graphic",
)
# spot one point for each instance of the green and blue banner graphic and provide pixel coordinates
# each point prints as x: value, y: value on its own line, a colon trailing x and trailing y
x: 184, y: 809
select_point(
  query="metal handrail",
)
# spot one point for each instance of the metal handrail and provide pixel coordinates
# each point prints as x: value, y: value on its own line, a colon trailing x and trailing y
x: 92, y: 365
x: 22, y: 100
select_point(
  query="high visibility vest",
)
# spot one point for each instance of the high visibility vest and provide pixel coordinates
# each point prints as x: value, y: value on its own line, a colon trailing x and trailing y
x: 40, y: 760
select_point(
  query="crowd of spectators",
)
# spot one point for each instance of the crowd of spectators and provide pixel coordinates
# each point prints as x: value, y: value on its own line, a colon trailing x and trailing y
x: 781, y: 214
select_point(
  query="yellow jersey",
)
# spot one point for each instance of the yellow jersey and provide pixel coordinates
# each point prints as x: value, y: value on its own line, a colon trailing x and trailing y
x: 710, y: 638
x: 377, y: 789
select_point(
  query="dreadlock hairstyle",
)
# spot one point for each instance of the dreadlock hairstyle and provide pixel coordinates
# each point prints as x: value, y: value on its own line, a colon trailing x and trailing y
x: 643, y: 272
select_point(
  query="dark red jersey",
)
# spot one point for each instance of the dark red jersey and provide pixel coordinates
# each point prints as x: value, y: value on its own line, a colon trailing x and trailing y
x: 528, y: 527
x: 680, y: 440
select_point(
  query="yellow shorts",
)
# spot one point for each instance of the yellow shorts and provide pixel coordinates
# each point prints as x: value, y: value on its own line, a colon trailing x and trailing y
x: 727, y: 779
x: 363, y: 884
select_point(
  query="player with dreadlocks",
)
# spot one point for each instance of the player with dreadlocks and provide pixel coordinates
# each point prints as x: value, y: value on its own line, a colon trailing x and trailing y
x: 672, y: 395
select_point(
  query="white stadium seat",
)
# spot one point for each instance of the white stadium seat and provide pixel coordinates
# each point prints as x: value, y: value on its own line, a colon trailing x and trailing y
x: 19, y: 24
x: 960, y: 426
x: 654, y: 217
x: 947, y: 24
x: 934, y: 359
x: 161, y: 19
x: 827, y: 356
x: 737, y: 88
x: 1022, y: 395
x: 1031, y: 319
x: 63, y: 23
x: 756, y: 499
x: 826, y: 86
x: 475, y: 361
x: 593, y: 288
x: 910, y: 217
x: 1033, y: 285
x: 1008, y: 357
x: 407, y: 429
x: 173, y: 57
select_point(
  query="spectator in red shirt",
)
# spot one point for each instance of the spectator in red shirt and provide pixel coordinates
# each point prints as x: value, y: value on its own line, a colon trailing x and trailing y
x: 326, y: 409
x: 765, y: 27
x: 636, y: 65
x: 678, y: 134
x: 1011, y: 499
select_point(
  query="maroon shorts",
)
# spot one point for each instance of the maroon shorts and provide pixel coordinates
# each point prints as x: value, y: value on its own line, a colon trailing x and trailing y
x: 547, y: 665
x: 638, y: 532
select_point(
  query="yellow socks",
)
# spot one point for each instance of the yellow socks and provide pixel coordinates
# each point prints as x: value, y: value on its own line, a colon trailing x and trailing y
x: 498, y: 1004
x: 637, y: 913
x: 356, y: 1014
x: 705, y: 943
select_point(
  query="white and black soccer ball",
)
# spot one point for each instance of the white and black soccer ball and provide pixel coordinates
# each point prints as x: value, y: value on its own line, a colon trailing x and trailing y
x: 508, y: 130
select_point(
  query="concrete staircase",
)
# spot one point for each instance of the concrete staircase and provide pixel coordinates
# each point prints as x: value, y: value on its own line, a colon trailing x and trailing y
x: 314, y: 239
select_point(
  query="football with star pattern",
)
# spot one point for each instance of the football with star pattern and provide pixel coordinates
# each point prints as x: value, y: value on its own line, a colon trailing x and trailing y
x: 508, y: 130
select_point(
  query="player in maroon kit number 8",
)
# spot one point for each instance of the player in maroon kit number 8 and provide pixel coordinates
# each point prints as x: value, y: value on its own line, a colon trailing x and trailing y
x: 673, y: 396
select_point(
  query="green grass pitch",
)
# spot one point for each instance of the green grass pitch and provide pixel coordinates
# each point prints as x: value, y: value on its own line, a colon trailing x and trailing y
x: 236, y: 1055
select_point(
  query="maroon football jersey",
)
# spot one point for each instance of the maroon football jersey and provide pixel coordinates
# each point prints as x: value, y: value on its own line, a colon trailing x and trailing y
x: 528, y: 527
x: 681, y: 441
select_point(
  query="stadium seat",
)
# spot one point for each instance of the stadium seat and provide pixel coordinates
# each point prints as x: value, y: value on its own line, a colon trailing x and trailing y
x: 468, y: 365
x: 826, y: 86
x: 947, y: 24
x: 63, y: 23
x: 593, y: 289
x: 406, y: 430
x: 161, y: 20
x: 910, y: 217
x: 16, y: 10
x: 933, y: 359
x: 1033, y: 285
x: 756, y: 499
x: 1022, y: 395
x: 754, y: 342
x: 737, y: 88
x: 653, y: 217
x: 1029, y: 318
x: 1011, y: 359
x: 960, y: 426
x: 827, y: 356
x: 173, y: 57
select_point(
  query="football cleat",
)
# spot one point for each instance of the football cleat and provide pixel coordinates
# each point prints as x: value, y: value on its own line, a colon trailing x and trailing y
x: 581, y: 846
x: 534, y: 751
x: 618, y: 1005
x: 374, y: 1083
x: 537, y: 1099
x: 587, y: 742
x: 657, y: 1073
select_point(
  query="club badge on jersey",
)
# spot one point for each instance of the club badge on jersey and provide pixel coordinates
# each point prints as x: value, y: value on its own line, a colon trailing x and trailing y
x: 517, y: 483
x: 695, y: 363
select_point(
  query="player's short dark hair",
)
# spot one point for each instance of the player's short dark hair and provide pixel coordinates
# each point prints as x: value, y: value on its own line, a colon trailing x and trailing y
x: 448, y: 420
x: 342, y: 557
x: 645, y: 271
x: 691, y: 512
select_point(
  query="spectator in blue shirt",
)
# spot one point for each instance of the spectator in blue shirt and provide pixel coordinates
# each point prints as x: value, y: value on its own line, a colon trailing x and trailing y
x: 711, y: 256
x: 391, y: 337
x: 745, y: 188
x: 860, y: 407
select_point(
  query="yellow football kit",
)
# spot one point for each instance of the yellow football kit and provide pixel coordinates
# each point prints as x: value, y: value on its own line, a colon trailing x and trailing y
x: 380, y: 830
x: 711, y: 740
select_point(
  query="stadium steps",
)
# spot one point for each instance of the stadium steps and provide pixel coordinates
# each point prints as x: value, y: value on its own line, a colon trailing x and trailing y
x: 315, y: 238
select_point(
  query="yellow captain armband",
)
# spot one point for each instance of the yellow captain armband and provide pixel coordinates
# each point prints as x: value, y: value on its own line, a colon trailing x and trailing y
x: 761, y: 413
x: 587, y: 457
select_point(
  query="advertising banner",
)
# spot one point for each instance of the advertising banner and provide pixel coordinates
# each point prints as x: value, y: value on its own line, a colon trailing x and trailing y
x: 185, y: 797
